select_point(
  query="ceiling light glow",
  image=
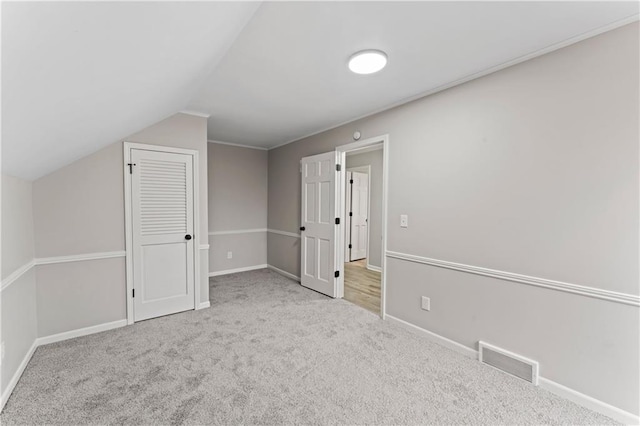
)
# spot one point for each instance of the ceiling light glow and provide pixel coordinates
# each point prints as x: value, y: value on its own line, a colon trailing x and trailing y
x: 367, y: 61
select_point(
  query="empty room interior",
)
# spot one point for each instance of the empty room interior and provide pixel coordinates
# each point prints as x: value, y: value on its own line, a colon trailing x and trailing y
x: 320, y: 213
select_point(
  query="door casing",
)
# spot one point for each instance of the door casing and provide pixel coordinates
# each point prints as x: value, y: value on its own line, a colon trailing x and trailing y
x: 341, y: 199
x: 128, y: 219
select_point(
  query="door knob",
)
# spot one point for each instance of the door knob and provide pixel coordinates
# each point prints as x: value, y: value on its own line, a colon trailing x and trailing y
x: 302, y: 228
x: 187, y: 237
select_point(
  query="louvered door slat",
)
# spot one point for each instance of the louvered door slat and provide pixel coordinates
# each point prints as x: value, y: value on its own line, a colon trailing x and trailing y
x: 163, y: 186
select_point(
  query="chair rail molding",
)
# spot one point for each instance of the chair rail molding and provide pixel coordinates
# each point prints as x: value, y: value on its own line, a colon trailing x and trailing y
x: 608, y: 295
x: 15, y: 275
x: 238, y: 231
x: 285, y: 233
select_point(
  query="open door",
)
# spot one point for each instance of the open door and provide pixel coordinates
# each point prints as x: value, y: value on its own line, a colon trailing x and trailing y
x: 359, y: 223
x: 319, y: 224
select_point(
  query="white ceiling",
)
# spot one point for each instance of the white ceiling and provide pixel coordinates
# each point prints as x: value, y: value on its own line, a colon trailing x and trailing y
x: 286, y: 76
x: 78, y: 76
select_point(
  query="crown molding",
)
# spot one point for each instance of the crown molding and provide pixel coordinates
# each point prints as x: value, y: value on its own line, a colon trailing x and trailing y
x: 239, y: 145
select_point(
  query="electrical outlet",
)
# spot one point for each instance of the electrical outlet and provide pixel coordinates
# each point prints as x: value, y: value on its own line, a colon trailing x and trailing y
x: 426, y: 303
x: 404, y: 221
x: 229, y: 255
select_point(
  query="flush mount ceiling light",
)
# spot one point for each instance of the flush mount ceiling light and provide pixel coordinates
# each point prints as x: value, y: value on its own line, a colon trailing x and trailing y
x: 367, y: 61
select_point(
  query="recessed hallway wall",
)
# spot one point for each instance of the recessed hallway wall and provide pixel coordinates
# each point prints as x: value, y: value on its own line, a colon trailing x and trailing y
x: 237, y: 207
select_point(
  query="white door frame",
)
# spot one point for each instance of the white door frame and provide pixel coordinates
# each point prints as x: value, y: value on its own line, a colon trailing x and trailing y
x: 367, y: 170
x: 340, y: 198
x: 128, y: 219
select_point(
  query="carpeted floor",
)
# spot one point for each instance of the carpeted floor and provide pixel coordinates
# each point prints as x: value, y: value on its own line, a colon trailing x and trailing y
x: 269, y: 351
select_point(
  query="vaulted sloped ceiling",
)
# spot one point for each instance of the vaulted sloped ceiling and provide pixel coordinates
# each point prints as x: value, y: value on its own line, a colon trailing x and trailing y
x: 78, y: 76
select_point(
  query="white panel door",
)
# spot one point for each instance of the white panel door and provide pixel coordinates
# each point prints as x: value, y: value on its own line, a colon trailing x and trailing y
x: 359, y: 211
x: 163, y: 223
x: 318, y: 227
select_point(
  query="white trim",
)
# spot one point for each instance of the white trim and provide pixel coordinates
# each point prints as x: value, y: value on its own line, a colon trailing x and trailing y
x: 80, y: 332
x: 80, y: 257
x: 128, y: 219
x: 589, y: 402
x: 204, y: 305
x: 515, y: 61
x: 285, y: 233
x: 435, y: 338
x: 284, y: 273
x: 195, y: 113
x: 553, y: 387
x: 15, y: 275
x: 16, y: 376
x: 236, y: 270
x: 239, y: 145
x: 238, y: 231
x: 535, y: 366
x: 204, y: 246
x: 612, y: 296
x: 341, y: 150
x: 128, y: 232
x: 373, y: 267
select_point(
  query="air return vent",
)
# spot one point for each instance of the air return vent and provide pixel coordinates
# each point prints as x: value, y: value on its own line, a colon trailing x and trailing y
x: 508, y: 362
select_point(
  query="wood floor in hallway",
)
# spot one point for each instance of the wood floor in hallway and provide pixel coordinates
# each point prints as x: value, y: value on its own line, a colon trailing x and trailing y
x: 362, y: 286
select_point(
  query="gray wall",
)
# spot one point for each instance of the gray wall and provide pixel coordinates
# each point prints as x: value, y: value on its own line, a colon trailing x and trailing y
x: 79, y: 209
x: 237, y: 203
x: 373, y: 159
x: 18, y: 328
x: 532, y: 170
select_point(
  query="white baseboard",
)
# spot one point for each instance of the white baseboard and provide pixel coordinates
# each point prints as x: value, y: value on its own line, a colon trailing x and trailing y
x: 586, y: 401
x: 553, y: 387
x: 374, y: 268
x: 233, y: 271
x: 14, y: 380
x: 80, y: 332
x: 204, y: 305
x: 284, y: 273
x: 436, y: 338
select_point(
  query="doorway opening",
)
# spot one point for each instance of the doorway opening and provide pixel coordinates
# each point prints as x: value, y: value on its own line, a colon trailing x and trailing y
x: 324, y: 250
x: 363, y: 227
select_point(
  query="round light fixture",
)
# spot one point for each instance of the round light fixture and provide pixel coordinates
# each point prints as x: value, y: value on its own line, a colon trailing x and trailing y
x: 367, y: 61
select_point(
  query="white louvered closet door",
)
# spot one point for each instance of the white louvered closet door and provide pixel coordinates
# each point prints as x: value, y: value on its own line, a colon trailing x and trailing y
x: 163, y: 223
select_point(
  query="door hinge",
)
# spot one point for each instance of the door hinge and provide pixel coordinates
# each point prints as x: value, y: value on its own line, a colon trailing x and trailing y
x: 350, y: 213
x: 131, y: 167
x: 336, y: 274
x: 337, y: 221
x: 350, y: 246
x: 351, y: 181
x: 337, y: 167
x: 133, y: 292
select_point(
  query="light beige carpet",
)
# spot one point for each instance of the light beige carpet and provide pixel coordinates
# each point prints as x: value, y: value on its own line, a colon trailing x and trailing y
x: 269, y: 351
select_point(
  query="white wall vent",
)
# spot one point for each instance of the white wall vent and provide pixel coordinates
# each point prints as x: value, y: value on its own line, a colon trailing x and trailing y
x: 508, y: 362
